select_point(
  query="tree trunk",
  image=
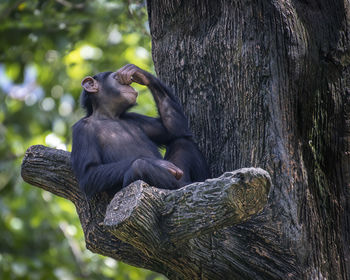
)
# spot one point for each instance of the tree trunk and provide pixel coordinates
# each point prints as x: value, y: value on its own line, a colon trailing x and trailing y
x: 267, y: 84
x: 264, y: 84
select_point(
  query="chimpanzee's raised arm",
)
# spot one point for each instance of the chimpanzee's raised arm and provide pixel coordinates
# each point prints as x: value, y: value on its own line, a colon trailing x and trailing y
x: 168, y: 106
x: 169, y: 109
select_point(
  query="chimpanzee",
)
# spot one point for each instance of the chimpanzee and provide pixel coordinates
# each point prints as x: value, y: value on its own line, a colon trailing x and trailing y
x: 113, y: 147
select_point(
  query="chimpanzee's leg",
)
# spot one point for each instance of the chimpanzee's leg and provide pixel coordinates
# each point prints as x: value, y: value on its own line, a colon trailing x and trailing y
x: 184, y: 153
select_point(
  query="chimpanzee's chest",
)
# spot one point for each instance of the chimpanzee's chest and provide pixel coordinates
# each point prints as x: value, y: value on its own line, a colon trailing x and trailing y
x: 121, y: 140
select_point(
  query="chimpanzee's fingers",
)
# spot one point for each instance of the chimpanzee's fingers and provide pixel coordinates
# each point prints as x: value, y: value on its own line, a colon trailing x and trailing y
x: 129, y: 66
x: 130, y: 73
x: 124, y: 77
x: 172, y: 168
x: 177, y: 173
x: 122, y: 74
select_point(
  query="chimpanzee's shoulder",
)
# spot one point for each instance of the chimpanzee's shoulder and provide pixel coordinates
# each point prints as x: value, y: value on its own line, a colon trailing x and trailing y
x: 84, y: 124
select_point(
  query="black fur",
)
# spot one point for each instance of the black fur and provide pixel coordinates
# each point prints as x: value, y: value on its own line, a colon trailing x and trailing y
x: 110, y: 154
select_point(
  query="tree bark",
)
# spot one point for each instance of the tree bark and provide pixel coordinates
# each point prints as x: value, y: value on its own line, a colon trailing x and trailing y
x: 267, y: 84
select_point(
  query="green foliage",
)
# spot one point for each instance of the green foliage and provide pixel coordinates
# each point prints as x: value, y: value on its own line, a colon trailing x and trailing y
x: 46, y: 48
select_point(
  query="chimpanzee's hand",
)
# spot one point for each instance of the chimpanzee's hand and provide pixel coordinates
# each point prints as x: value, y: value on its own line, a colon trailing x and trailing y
x: 131, y: 73
x: 172, y: 168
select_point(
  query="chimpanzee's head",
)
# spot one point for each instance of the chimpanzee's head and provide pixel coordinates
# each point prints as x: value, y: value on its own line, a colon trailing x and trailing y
x: 104, y: 90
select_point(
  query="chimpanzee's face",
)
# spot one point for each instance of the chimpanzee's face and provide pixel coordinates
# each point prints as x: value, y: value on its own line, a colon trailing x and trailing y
x: 112, y: 91
x: 108, y: 93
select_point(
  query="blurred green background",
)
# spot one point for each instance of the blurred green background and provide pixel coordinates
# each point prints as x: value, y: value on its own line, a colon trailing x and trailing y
x: 46, y: 48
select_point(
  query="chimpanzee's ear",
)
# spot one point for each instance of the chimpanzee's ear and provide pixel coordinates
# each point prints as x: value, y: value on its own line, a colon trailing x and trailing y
x: 90, y: 84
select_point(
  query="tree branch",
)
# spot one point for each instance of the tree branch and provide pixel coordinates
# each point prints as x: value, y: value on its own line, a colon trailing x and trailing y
x: 142, y: 224
x: 174, y: 217
x: 50, y: 169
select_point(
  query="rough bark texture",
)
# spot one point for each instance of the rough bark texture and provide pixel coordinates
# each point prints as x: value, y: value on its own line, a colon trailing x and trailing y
x: 162, y: 230
x: 267, y: 84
